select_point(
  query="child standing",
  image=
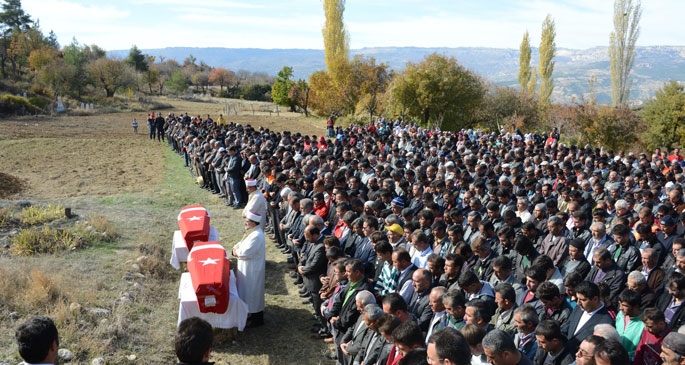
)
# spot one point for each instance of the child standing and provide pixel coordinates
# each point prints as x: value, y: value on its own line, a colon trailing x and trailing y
x: 135, y: 126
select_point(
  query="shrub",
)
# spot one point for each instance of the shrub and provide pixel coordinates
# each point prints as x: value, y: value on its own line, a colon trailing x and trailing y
x: 33, y: 215
x: 41, y: 290
x: 46, y: 240
x: 13, y: 105
x: 38, y: 102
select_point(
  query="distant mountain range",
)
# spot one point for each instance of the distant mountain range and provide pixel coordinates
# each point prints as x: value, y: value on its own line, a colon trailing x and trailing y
x: 654, y: 65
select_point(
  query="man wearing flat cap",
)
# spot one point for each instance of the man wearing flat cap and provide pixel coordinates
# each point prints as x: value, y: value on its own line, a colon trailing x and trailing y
x: 673, y: 349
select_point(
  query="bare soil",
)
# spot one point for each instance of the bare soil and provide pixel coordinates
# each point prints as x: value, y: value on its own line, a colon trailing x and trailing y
x: 96, y: 165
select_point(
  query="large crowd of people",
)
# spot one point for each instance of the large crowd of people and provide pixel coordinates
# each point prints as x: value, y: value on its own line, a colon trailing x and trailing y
x: 417, y: 245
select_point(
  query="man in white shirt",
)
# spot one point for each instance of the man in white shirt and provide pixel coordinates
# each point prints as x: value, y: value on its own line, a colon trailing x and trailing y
x: 38, y: 341
x: 422, y: 249
x: 589, y: 312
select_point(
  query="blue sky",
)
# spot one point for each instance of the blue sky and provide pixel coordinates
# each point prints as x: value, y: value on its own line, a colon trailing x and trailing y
x: 120, y: 24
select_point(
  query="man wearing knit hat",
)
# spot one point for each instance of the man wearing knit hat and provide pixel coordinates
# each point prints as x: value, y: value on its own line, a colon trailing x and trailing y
x: 397, y: 204
x: 673, y: 349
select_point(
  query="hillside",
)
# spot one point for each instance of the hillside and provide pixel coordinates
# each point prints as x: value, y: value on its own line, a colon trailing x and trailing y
x: 654, y: 65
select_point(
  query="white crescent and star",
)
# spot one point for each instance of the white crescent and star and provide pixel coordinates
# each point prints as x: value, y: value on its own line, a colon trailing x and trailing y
x: 209, y: 261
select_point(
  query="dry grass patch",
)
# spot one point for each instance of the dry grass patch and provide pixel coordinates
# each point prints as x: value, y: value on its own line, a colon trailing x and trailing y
x: 33, y: 215
x: 68, y: 237
x: 153, y: 260
x: 46, y: 240
x: 100, y: 228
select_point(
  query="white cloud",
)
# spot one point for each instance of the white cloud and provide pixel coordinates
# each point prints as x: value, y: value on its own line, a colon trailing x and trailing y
x: 117, y: 24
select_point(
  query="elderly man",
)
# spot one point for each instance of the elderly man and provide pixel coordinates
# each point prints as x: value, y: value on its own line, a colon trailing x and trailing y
x: 499, y: 348
x: 650, y: 270
x: 395, y: 236
x: 526, y: 320
x: 673, y: 349
x: 419, y: 306
x: 554, y: 244
x: 637, y: 283
x: 351, y: 342
x: 599, y: 239
x: 439, y: 319
x: 251, y: 273
x: 38, y: 341
x: 255, y: 201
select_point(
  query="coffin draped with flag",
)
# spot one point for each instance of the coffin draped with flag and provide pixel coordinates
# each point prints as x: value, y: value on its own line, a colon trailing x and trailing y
x: 210, y: 273
x: 193, y: 221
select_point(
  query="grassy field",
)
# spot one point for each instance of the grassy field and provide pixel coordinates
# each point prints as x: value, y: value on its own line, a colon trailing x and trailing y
x: 118, y: 300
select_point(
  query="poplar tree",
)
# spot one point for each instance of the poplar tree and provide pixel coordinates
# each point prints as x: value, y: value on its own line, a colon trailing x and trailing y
x: 622, y: 48
x: 527, y: 77
x: 335, y: 40
x: 548, y: 50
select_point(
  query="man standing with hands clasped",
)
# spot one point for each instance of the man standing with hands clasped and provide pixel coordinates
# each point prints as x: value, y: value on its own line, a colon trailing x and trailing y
x: 251, y: 273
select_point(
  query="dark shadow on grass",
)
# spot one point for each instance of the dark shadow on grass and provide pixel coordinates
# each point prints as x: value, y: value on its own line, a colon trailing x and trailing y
x: 284, y: 338
x: 275, y: 283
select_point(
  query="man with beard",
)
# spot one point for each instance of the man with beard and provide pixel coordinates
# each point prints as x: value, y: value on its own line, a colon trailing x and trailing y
x: 671, y: 301
x: 251, y: 273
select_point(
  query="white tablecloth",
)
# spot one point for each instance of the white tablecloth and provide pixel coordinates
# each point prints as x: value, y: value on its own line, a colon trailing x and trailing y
x: 179, y: 251
x: 235, y: 316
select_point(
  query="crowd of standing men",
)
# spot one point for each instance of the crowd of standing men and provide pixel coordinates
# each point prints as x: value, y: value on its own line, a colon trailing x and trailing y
x: 415, y: 245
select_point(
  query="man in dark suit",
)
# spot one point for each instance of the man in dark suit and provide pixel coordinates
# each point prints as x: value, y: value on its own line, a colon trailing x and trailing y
x: 344, y: 313
x: 671, y: 301
x: 589, y: 312
x: 605, y: 270
x: 419, y: 306
x: 357, y: 335
x: 313, y: 266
